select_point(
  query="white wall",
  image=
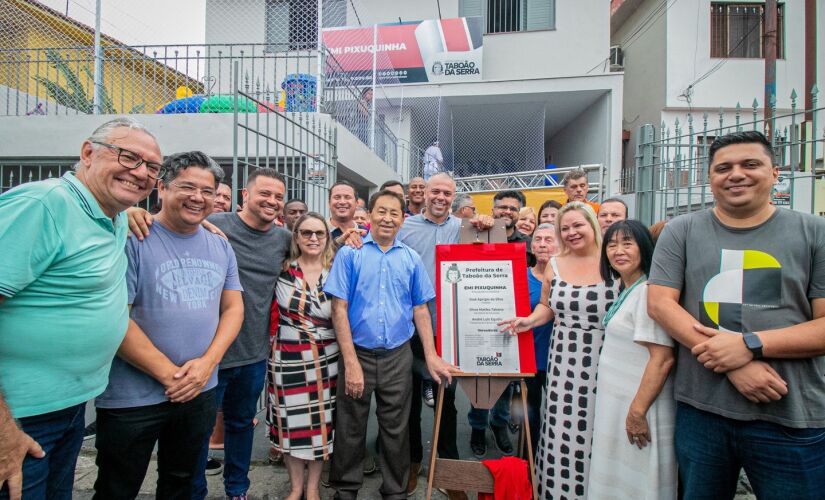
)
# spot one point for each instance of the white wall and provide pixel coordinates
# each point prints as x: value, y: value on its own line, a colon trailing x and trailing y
x: 586, y: 139
x: 644, y: 72
x: 580, y: 42
x: 242, y: 21
x: 387, y: 11
x: 738, y: 80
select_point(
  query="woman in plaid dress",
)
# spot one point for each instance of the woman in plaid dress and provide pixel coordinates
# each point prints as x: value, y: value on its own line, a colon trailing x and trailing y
x: 303, y: 365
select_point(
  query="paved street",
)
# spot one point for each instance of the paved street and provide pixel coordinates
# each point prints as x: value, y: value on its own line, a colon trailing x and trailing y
x: 271, y: 482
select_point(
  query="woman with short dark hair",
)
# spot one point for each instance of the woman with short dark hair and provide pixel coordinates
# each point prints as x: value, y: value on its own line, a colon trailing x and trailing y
x: 633, y: 454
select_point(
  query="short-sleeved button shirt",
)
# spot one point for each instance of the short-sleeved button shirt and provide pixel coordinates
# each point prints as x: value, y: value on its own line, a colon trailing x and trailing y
x: 381, y: 289
x: 64, y: 279
x: 422, y: 235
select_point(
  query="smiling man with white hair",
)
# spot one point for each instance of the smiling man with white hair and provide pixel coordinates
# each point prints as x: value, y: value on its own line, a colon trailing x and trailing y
x: 63, y: 302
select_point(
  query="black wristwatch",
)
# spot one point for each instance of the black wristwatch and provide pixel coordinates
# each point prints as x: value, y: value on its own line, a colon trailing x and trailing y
x: 754, y: 344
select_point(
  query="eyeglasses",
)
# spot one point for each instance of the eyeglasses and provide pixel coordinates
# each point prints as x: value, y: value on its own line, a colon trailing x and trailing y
x: 472, y: 208
x: 307, y: 234
x: 132, y: 160
x: 507, y: 208
x: 190, y: 190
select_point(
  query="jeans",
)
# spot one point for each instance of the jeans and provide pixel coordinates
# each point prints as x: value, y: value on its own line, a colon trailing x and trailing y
x: 499, y: 416
x: 237, y: 395
x: 60, y: 434
x: 126, y: 437
x: 782, y: 463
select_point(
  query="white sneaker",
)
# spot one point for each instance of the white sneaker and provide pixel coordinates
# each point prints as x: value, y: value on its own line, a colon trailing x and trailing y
x: 428, y: 396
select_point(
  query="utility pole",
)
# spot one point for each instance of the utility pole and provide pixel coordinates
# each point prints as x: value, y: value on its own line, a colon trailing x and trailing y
x: 810, y: 56
x: 770, y: 65
x: 808, y: 126
x: 98, y: 76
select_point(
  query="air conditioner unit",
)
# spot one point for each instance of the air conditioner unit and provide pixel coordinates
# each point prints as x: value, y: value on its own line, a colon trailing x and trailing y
x: 616, y: 58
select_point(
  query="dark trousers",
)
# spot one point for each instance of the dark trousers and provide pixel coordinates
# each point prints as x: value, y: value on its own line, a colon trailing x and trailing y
x: 388, y: 375
x: 447, y: 447
x: 60, y: 434
x: 126, y: 437
x: 535, y: 391
x: 781, y: 462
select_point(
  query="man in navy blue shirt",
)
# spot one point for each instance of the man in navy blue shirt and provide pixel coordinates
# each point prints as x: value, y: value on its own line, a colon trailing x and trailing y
x: 380, y: 293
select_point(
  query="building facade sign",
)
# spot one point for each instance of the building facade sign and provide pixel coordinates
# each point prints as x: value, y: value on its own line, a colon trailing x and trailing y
x: 431, y: 51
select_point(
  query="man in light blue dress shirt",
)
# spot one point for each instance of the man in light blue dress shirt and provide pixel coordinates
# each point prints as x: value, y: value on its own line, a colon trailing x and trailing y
x: 380, y: 293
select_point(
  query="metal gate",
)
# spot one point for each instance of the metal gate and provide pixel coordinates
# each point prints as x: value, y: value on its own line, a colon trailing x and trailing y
x: 671, y: 172
x: 301, y: 146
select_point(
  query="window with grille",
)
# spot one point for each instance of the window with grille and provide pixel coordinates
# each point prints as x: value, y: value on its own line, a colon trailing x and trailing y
x: 293, y: 24
x: 507, y: 16
x: 738, y: 30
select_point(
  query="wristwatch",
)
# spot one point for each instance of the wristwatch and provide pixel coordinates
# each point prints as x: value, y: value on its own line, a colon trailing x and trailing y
x: 753, y: 344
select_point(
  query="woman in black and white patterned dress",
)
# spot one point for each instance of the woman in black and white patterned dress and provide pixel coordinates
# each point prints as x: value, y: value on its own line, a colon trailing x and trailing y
x: 575, y: 294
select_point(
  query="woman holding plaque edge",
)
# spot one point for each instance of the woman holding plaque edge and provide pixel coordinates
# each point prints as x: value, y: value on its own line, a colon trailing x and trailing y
x: 577, y: 297
x: 633, y: 452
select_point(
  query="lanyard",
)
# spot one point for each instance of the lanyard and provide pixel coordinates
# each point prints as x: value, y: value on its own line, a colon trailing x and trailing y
x: 615, y: 306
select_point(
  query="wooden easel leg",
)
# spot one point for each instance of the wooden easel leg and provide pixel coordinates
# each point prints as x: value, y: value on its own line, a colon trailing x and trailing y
x: 434, y: 451
x: 522, y: 439
x: 531, y: 465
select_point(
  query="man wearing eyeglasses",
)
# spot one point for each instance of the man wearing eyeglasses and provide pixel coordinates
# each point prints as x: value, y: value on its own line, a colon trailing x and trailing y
x: 186, y: 309
x: 63, y: 302
x: 260, y: 247
x: 506, y: 206
x: 463, y: 206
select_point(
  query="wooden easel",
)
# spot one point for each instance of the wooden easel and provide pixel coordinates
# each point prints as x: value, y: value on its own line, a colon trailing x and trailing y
x: 483, y: 390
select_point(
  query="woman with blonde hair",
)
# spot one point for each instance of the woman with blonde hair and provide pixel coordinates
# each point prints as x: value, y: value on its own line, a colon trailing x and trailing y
x: 576, y: 296
x: 526, y: 222
x: 303, y: 366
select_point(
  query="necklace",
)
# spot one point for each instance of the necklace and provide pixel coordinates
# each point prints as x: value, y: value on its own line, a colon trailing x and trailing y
x: 615, y: 306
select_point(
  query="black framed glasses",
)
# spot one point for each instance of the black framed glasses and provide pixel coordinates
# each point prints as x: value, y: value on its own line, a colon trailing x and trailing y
x: 307, y: 234
x: 131, y: 160
x: 507, y: 208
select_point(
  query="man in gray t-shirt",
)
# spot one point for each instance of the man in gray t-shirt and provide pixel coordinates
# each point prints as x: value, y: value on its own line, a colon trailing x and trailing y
x: 185, y: 310
x: 741, y: 287
x: 261, y: 248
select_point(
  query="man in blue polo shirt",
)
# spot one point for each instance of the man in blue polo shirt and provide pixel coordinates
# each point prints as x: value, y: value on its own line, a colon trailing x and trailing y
x: 63, y: 302
x: 379, y: 291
